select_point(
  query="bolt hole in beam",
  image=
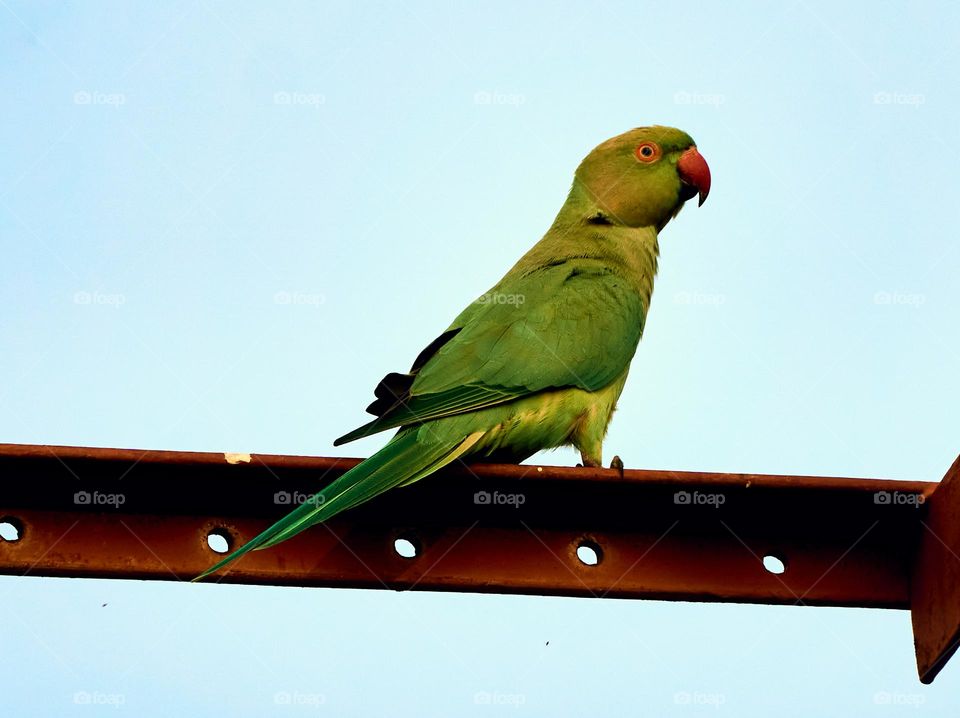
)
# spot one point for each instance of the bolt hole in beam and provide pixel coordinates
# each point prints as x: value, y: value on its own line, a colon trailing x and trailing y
x: 407, y: 547
x: 774, y: 564
x: 218, y: 540
x: 10, y: 529
x: 589, y: 552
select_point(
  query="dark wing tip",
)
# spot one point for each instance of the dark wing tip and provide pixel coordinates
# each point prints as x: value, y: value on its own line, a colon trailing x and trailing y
x: 393, y: 391
x: 389, y: 392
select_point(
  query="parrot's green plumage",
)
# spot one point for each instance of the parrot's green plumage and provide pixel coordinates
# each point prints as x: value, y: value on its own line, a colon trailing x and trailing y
x: 540, y: 360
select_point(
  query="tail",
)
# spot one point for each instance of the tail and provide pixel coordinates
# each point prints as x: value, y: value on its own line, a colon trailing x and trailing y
x: 402, y: 461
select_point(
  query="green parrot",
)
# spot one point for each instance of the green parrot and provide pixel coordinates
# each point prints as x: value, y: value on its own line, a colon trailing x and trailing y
x: 539, y: 361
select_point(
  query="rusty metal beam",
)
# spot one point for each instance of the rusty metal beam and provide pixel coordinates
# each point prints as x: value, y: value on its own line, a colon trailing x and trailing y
x: 107, y: 513
x: 935, y: 581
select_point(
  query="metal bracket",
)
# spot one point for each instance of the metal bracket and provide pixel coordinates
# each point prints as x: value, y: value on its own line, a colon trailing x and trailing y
x: 542, y: 530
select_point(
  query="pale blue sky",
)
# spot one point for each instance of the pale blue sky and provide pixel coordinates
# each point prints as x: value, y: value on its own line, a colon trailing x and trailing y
x: 221, y: 223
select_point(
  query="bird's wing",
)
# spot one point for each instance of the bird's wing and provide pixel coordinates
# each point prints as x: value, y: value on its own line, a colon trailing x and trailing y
x: 573, y: 324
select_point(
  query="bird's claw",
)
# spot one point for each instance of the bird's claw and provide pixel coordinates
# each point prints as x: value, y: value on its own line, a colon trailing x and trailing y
x: 617, y: 464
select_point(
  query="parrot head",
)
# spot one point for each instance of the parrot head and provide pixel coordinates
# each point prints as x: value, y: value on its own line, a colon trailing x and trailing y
x: 642, y: 177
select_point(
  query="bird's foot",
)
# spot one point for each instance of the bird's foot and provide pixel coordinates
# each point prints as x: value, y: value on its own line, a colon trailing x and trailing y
x: 617, y: 464
x: 589, y: 462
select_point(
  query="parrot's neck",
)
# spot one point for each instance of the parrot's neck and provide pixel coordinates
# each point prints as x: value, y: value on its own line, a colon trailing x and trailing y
x: 585, y: 206
x: 583, y: 230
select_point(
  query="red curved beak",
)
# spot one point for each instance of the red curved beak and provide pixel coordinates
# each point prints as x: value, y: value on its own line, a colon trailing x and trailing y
x: 694, y: 172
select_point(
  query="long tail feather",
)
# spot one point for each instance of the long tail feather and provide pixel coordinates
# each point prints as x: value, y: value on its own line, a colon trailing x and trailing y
x: 402, y: 461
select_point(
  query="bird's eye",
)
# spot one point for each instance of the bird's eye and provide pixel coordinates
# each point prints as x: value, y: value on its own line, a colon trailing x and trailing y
x: 648, y: 152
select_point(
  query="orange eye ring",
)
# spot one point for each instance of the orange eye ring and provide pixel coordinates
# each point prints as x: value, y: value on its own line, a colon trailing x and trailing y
x: 647, y: 152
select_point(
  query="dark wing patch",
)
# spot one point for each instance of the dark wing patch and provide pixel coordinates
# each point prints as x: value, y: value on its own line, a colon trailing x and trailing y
x: 394, y: 388
x: 390, y: 391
